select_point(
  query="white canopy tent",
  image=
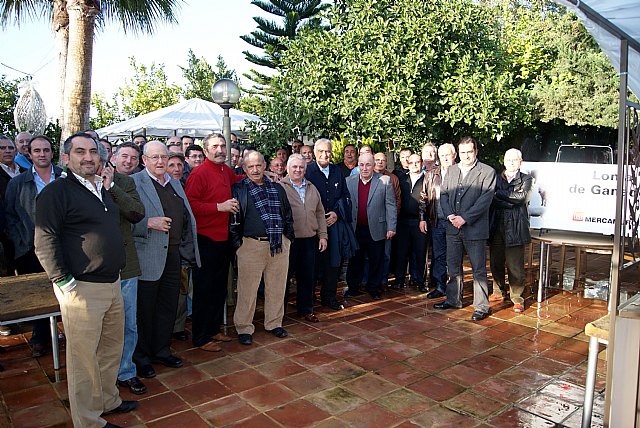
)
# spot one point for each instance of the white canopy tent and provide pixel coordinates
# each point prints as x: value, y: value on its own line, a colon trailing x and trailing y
x: 615, y: 24
x: 194, y: 117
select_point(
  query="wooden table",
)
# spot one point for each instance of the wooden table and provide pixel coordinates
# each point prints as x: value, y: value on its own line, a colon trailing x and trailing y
x: 27, y: 298
x: 579, y: 240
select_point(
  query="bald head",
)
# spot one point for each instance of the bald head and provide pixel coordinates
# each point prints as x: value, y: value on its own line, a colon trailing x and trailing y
x: 365, y: 164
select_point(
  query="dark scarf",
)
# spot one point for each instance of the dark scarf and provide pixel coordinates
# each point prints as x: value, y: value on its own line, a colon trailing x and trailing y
x: 267, y: 202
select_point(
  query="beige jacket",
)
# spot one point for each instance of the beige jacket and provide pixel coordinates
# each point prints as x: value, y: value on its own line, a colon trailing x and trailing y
x: 308, y: 218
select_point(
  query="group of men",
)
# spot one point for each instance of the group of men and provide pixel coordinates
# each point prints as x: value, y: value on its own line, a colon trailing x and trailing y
x: 120, y: 233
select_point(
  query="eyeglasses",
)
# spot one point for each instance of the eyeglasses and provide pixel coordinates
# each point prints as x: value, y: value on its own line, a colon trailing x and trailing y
x: 174, y: 145
x: 156, y: 158
x: 7, y: 148
x: 196, y: 156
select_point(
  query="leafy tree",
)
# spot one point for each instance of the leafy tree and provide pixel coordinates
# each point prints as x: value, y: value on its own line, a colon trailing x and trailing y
x: 397, y: 69
x: 579, y: 86
x: 201, y: 76
x: 105, y: 112
x: 8, y: 100
x: 148, y: 90
x: 274, y: 37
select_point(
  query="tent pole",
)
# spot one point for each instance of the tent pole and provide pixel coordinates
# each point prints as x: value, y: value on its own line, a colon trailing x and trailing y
x: 619, y: 227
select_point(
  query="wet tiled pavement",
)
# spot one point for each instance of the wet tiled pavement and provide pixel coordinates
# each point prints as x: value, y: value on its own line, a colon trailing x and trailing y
x: 394, y: 362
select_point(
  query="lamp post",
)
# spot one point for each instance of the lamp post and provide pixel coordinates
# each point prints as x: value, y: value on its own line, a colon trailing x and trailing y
x: 226, y: 94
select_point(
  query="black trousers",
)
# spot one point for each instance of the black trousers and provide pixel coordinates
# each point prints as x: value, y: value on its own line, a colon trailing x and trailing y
x: 157, y: 306
x: 374, y: 251
x: 29, y: 263
x: 412, y: 242
x: 327, y: 275
x: 209, y: 289
x: 302, y: 256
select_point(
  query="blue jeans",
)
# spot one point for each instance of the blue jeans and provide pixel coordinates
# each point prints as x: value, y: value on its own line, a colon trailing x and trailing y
x: 129, y: 288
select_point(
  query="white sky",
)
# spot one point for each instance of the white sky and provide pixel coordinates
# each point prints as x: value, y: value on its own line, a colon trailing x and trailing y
x: 208, y: 27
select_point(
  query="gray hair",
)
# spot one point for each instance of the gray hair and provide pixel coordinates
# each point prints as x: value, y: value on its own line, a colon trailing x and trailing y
x: 516, y: 152
x: 298, y: 157
x: 68, y: 143
x: 212, y: 136
x: 176, y: 155
x: 152, y: 143
x: 451, y: 147
x: 324, y: 141
x: 251, y: 152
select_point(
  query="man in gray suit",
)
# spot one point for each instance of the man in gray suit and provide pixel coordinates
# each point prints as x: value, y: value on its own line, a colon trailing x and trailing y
x: 374, y: 216
x: 164, y: 237
x: 465, y: 197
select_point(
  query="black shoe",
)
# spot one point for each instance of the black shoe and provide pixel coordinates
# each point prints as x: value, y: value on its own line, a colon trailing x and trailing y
x: 38, y: 350
x: 423, y: 289
x: 170, y: 361
x: 110, y: 425
x: 245, y: 339
x: 435, y: 294
x: 279, y: 332
x: 333, y: 304
x: 479, y: 316
x: 352, y: 292
x: 124, y: 407
x: 181, y: 336
x: 376, y: 296
x: 444, y: 305
x: 146, y: 371
x: 396, y: 286
x: 134, y: 384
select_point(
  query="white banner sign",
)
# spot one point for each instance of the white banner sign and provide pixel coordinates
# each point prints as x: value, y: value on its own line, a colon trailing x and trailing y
x: 573, y: 196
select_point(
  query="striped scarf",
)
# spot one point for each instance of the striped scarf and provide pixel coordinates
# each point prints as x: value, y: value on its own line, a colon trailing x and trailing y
x: 267, y: 202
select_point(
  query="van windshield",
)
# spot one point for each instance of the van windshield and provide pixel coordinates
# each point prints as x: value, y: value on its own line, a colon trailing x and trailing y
x: 585, y: 154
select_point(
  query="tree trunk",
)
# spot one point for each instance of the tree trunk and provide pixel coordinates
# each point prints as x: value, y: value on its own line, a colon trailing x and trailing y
x: 77, y: 93
x: 60, y: 26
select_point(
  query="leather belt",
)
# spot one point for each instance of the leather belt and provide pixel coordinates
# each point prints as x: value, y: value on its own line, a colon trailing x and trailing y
x: 259, y: 238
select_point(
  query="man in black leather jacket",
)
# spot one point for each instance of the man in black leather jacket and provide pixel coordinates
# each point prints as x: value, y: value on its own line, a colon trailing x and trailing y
x: 262, y: 233
x: 509, y: 230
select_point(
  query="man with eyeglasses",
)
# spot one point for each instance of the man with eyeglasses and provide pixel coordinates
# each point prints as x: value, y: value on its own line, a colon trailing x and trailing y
x: 194, y: 156
x: 8, y: 170
x: 165, y: 239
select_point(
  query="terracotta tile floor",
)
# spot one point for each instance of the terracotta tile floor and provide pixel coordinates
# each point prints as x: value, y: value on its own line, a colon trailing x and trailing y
x: 395, y: 362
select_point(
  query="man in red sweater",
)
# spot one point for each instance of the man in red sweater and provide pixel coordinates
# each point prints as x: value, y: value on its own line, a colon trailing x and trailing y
x: 208, y: 189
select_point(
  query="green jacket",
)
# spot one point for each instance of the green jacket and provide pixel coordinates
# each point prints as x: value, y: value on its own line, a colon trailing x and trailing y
x: 126, y: 196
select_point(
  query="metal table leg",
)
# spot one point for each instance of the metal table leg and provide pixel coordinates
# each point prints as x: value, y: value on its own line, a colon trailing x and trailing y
x: 590, y: 383
x: 541, y: 274
x: 54, y: 343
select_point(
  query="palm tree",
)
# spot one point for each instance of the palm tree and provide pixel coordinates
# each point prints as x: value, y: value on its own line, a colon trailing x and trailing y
x: 74, y: 23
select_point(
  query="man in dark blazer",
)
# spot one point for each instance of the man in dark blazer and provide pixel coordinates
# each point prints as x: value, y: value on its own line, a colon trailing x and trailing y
x: 164, y: 238
x: 373, y: 220
x: 330, y: 183
x: 465, y: 198
x: 20, y: 214
x: 413, y: 241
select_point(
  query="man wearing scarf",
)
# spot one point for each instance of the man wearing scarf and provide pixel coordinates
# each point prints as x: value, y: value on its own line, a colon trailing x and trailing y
x: 261, y: 233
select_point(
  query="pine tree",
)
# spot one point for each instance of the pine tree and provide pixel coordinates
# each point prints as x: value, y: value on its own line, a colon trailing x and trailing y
x: 273, y: 37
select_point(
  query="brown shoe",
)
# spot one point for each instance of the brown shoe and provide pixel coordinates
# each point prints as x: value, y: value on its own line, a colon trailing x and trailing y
x: 221, y: 337
x: 210, y: 347
x: 518, y: 308
x: 496, y: 298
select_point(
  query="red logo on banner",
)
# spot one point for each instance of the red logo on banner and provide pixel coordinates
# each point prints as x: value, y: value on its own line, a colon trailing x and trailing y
x: 578, y: 216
